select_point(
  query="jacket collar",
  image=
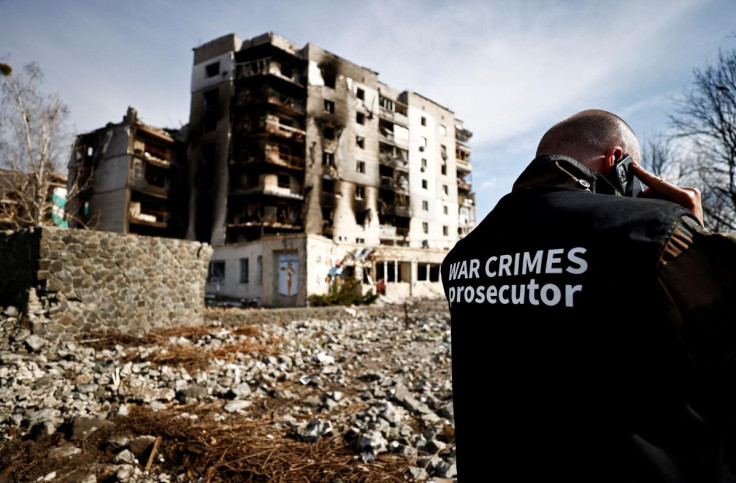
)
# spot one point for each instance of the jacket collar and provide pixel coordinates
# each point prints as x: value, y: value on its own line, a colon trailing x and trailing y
x: 555, y: 171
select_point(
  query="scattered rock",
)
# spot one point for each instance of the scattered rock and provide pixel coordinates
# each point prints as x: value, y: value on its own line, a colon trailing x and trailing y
x: 34, y: 343
x: 64, y: 451
x: 141, y: 444
x: 125, y: 456
x: 236, y: 405
x: 364, y: 377
x: 82, y: 427
x: 314, y: 430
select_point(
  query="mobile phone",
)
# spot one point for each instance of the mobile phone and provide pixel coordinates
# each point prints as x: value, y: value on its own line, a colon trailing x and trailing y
x: 624, y: 179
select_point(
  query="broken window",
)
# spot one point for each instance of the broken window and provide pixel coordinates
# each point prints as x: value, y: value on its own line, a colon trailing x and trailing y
x: 328, y: 133
x: 445, y: 231
x: 360, y: 217
x: 212, y: 69
x: 360, y: 142
x: 329, y: 77
x: 329, y: 107
x: 328, y: 185
x: 386, y: 103
x: 424, y: 164
x: 287, y: 70
x: 425, y: 227
x: 443, y: 168
x: 425, y: 205
x: 216, y: 271
x: 360, y: 192
x: 282, y: 213
x: 443, y: 130
x: 360, y: 167
x: 424, y: 121
x: 422, y: 272
x: 424, y: 184
x: 445, y: 210
x: 443, y: 151
x: 445, y: 189
x: 422, y: 143
x: 360, y: 118
x: 210, y: 98
x: 326, y: 213
x: 284, y: 181
x: 259, y: 270
x: 209, y: 123
x: 138, y: 169
x: 434, y: 272
x: 360, y: 241
x: 360, y: 93
x: 244, y: 270
x: 328, y: 159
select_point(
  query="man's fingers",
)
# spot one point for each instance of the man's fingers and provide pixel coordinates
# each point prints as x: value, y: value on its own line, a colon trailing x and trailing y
x: 688, y: 198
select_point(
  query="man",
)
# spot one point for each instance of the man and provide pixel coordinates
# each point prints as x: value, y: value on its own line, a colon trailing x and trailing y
x: 592, y: 332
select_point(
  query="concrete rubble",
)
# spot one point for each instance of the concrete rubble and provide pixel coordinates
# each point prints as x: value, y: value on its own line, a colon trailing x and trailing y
x: 373, y: 377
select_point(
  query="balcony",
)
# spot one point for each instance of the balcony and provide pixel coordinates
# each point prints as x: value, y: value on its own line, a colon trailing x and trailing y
x: 274, y: 127
x: 270, y: 222
x: 463, y: 165
x: 389, y: 138
x: 463, y: 230
x: 140, y: 184
x: 393, y: 160
x: 399, y: 185
x: 268, y: 191
x: 466, y: 200
x: 393, y: 116
x: 148, y: 217
x: 462, y: 135
x: 386, y: 231
x: 267, y: 66
x: 400, y: 210
x: 464, y: 185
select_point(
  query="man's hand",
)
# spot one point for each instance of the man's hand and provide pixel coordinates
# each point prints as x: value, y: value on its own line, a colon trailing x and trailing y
x: 689, y: 198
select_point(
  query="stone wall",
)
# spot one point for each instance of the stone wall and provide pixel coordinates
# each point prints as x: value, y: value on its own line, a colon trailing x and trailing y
x: 70, y: 281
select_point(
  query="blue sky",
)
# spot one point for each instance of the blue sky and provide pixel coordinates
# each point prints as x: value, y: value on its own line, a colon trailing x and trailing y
x: 509, y: 69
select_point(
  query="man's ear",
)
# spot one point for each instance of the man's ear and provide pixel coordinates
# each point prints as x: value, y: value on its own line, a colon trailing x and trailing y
x: 614, y: 155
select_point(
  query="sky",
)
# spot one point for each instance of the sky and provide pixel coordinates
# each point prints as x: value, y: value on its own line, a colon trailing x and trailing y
x: 510, y: 69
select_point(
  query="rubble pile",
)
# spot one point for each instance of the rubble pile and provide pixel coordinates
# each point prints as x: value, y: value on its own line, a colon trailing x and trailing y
x: 362, y: 394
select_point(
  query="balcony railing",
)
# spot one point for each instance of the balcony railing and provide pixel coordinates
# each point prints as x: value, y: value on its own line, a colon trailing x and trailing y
x: 464, y: 185
x: 394, y: 161
x: 268, y: 191
x: 394, y: 116
x: 389, y: 137
x: 463, y: 165
x: 158, y: 219
x: 387, y: 231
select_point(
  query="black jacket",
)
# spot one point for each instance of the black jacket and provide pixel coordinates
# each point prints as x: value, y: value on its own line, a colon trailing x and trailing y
x: 566, y: 364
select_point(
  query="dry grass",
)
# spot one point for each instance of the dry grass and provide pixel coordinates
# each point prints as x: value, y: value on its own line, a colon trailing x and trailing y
x: 246, y: 450
x: 192, y: 358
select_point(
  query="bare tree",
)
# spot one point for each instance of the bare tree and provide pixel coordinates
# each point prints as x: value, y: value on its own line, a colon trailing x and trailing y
x: 706, y: 119
x: 33, y: 140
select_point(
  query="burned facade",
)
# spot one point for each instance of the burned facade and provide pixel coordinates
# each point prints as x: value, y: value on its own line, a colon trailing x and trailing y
x: 299, y: 167
x: 131, y: 178
x: 305, y: 155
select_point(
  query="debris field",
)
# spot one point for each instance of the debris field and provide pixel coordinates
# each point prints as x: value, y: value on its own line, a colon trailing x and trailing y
x: 355, y: 394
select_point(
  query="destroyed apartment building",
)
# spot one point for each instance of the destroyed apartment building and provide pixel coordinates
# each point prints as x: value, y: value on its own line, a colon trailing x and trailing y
x: 302, y: 168
x: 132, y: 177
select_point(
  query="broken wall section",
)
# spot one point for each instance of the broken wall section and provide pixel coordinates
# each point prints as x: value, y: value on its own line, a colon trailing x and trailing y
x: 77, y: 281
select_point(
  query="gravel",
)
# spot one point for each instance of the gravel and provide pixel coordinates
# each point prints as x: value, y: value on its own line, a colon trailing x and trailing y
x: 372, y: 376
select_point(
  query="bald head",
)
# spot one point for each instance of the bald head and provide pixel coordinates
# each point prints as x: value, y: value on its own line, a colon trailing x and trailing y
x: 589, y: 137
